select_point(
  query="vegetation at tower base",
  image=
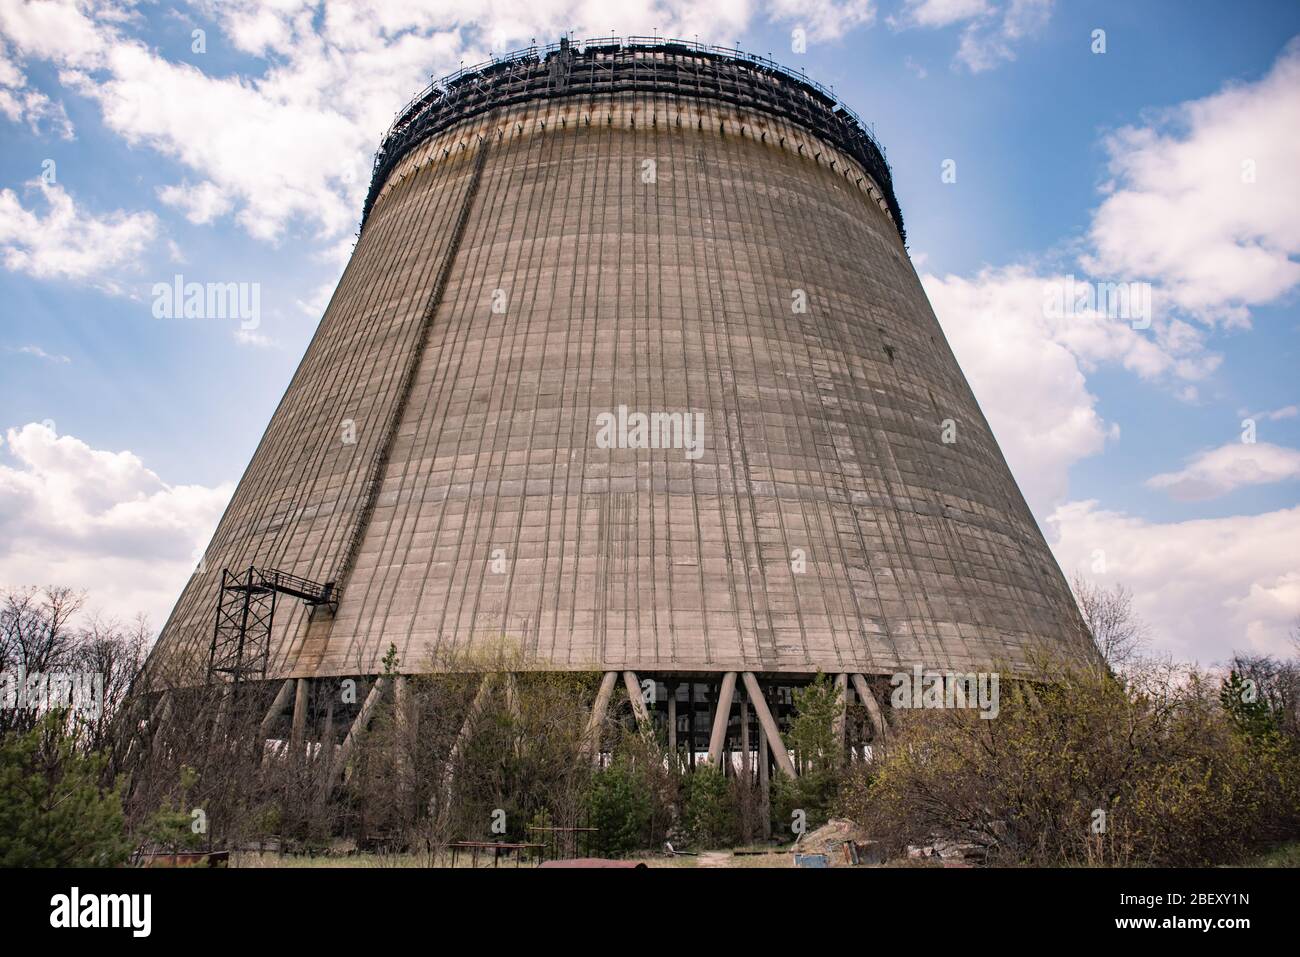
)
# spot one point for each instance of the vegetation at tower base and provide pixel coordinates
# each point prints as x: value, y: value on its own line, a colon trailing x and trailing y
x: 1185, y: 770
x: 1155, y: 767
x: 1149, y: 764
x: 55, y: 808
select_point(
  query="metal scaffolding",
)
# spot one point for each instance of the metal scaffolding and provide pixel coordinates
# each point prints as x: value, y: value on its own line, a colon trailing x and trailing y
x: 241, y: 639
x: 637, y: 65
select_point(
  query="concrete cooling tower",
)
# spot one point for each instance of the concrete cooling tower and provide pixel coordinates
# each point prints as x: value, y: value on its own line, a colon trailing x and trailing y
x: 629, y: 370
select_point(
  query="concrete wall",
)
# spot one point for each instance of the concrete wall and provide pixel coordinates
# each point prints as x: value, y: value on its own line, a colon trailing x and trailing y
x: 499, y: 518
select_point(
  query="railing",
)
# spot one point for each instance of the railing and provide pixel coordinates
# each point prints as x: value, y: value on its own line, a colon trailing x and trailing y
x: 272, y: 579
x: 539, y: 54
x: 612, y: 65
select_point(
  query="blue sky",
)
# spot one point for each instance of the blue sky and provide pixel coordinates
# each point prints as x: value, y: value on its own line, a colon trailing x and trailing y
x: 247, y: 162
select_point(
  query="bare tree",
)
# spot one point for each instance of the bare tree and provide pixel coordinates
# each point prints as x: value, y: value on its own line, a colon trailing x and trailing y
x: 36, y: 637
x: 1277, y: 683
x: 115, y: 653
x: 1119, y: 634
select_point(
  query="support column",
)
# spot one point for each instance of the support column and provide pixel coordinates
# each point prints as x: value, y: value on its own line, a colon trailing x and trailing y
x: 770, y: 731
x: 401, y: 725
x: 764, y: 784
x: 1031, y: 695
x: 277, y: 706
x: 225, y: 693
x: 327, y: 734
x: 672, y: 720
x: 358, y: 728
x: 162, y: 713
x: 633, y: 686
x: 298, y: 730
x: 401, y: 702
x: 721, y: 715
x: 690, y: 723
x: 837, y: 727
x: 592, y: 734
x: 466, y: 728
x: 877, y: 717
x: 745, y: 766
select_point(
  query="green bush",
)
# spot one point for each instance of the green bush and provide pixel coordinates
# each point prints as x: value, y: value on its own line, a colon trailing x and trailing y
x: 620, y: 809
x: 54, y: 812
x: 812, y: 741
x: 709, y: 815
x: 1149, y: 770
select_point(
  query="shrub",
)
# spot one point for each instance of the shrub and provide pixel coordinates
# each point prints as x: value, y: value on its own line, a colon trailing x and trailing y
x: 709, y: 808
x: 1150, y: 770
x: 54, y: 812
x: 619, y: 805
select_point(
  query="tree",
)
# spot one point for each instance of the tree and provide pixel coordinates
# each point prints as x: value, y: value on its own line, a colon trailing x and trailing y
x: 1149, y: 769
x: 54, y: 810
x: 1119, y: 634
x: 1248, y: 709
x: 709, y: 808
x: 619, y: 805
x: 173, y: 825
x: 1274, y: 683
x: 820, y: 755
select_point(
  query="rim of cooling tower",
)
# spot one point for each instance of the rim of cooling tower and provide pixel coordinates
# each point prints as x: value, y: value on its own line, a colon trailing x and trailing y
x: 633, y: 65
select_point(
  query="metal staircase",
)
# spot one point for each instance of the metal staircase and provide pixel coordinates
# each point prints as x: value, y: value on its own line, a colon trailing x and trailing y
x: 241, y: 639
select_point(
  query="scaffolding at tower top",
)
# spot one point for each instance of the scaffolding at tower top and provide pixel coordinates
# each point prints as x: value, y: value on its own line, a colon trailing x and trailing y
x: 635, y: 65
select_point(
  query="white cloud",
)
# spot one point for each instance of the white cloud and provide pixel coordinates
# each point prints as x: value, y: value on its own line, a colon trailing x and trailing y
x: 201, y: 204
x: 1216, y: 472
x: 1181, y: 209
x: 1276, y: 415
x: 65, y: 31
x: 1028, y: 368
x: 823, y: 19
x: 99, y: 521
x: 21, y: 104
x: 937, y: 13
x: 247, y: 337
x: 1207, y: 587
x: 991, y: 40
x: 990, y: 33
x: 296, y: 141
x: 70, y: 243
x: 40, y: 353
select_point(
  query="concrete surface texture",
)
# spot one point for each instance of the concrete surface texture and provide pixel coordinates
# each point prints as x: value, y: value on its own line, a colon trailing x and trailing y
x: 460, y: 449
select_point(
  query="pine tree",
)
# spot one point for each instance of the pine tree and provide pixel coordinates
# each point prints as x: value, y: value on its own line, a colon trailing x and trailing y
x: 54, y: 809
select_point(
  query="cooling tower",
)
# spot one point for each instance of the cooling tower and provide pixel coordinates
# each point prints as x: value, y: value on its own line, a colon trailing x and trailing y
x: 630, y: 370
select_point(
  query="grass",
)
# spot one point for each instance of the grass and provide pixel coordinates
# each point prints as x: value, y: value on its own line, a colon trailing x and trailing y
x: 719, y: 859
x: 1285, y: 855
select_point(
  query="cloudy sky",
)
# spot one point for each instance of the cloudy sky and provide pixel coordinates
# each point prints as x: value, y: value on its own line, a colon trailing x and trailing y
x: 1164, y: 151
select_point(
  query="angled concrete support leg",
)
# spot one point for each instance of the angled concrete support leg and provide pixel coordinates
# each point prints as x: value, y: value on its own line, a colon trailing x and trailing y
x: 162, y: 713
x: 591, y: 736
x: 402, y: 724
x: 1031, y: 696
x: 765, y: 720
x: 721, y: 715
x: 299, y: 728
x: 764, y: 783
x: 837, y: 727
x: 878, y: 726
x: 745, y: 763
x: 672, y: 720
x: 462, y: 736
x: 401, y: 702
x: 327, y: 745
x: 281, y: 699
x: 358, y: 728
x: 638, y: 702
